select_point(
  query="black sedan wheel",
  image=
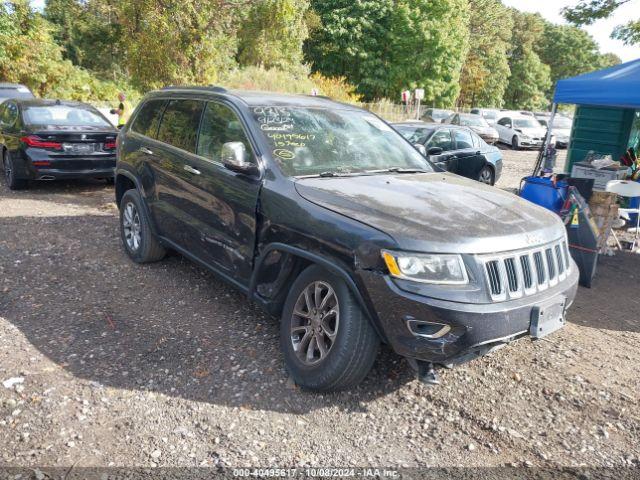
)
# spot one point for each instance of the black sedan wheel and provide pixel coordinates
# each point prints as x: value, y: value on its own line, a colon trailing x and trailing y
x: 327, y: 341
x: 486, y: 175
x: 10, y: 175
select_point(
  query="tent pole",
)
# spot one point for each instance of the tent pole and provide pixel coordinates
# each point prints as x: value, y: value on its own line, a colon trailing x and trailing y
x: 545, y: 146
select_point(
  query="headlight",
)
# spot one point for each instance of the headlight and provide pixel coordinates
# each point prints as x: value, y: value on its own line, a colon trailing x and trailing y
x: 426, y: 268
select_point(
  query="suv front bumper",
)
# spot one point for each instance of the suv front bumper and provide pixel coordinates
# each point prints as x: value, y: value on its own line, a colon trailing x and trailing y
x: 473, y: 328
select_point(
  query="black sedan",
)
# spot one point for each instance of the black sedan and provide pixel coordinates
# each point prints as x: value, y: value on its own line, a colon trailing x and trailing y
x: 52, y: 139
x: 455, y: 149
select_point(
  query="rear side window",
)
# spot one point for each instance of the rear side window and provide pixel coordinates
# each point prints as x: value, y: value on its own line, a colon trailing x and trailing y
x: 441, y: 139
x: 148, y: 118
x: 463, y: 139
x: 219, y: 126
x: 180, y: 122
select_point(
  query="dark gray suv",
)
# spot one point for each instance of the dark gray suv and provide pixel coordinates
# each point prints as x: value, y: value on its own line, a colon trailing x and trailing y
x: 332, y: 221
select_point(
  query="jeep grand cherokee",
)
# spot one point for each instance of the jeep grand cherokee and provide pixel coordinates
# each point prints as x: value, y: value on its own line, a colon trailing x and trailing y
x: 328, y: 218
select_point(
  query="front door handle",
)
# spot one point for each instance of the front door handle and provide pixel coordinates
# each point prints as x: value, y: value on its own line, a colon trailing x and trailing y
x: 145, y: 150
x: 190, y: 169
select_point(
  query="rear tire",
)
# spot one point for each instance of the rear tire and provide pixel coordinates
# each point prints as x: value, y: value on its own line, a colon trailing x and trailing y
x: 324, y: 351
x: 9, y: 173
x: 138, y: 239
x: 487, y: 176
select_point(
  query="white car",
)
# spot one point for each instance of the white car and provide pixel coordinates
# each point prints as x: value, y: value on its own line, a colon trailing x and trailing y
x: 521, y: 131
x: 561, y: 127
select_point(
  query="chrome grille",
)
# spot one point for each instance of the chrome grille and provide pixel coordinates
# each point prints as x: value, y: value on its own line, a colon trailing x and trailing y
x: 516, y: 274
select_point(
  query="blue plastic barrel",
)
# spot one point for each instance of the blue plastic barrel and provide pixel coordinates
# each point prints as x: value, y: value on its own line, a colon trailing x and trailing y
x: 634, y: 202
x: 543, y: 192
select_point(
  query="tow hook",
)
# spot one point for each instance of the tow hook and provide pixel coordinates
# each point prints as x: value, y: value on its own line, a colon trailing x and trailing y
x: 426, y: 372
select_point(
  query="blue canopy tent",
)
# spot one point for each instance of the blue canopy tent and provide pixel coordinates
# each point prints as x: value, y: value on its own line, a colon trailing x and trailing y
x: 608, y: 101
x: 617, y: 86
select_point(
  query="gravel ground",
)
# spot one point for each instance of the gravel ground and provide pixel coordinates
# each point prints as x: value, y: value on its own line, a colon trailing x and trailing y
x: 164, y: 365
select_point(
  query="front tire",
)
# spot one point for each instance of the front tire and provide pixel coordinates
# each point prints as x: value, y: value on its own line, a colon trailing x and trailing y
x: 515, y: 143
x: 327, y: 341
x: 10, y: 175
x: 138, y: 239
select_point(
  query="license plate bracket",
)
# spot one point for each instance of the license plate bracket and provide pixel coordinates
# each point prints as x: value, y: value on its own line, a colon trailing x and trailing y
x: 548, y: 317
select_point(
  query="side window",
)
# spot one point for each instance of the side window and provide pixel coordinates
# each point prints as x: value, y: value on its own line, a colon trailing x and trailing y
x: 441, y: 139
x: 3, y: 109
x: 505, y: 122
x: 463, y: 139
x: 9, y: 114
x: 456, y: 120
x: 219, y: 126
x: 148, y: 118
x: 179, y: 125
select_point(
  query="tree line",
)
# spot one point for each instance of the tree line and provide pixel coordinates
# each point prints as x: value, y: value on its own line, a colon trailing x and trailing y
x: 462, y: 52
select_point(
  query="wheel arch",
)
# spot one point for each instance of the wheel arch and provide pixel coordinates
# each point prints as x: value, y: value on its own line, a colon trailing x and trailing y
x: 300, y: 259
x: 125, y: 180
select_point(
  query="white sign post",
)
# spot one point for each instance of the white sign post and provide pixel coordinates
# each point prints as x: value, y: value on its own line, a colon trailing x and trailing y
x: 419, y: 94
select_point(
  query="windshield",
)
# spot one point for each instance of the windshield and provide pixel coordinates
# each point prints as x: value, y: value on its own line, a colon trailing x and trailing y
x: 65, y: 115
x: 491, y: 115
x: 473, y: 121
x: 526, y: 123
x: 15, y: 92
x: 439, y: 114
x: 314, y: 141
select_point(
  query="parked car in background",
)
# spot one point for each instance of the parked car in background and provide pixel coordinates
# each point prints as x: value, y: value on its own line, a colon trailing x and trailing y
x: 476, y: 123
x: 491, y: 115
x: 329, y: 219
x: 51, y: 139
x: 14, y: 90
x: 435, y: 115
x: 455, y: 149
x: 521, y: 131
x: 561, y: 127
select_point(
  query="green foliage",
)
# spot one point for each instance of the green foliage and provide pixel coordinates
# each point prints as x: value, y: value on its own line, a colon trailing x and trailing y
x: 569, y: 51
x: 385, y: 46
x: 273, y: 34
x: 30, y: 55
x: 586, y: 12
x: 530, y: 79
x: 485, y: 73
x: 291, y: 81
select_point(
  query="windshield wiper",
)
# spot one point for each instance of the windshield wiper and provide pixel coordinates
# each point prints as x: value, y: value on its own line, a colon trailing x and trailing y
x: 400, y: 170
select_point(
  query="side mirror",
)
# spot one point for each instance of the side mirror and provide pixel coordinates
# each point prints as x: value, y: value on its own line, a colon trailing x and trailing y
x: 433, y: 151
x: 421, y: 149
x: 234, y: 156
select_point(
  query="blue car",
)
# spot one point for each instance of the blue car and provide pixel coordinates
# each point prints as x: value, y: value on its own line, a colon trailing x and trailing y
x: 455, y: 149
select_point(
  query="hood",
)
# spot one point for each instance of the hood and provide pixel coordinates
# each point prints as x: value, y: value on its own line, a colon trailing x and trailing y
x: 436, y: 212
x: 532, y: 132
x: 484, y: 130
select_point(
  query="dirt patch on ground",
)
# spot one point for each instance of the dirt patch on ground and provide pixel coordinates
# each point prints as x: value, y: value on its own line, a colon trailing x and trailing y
x: 119, y: 364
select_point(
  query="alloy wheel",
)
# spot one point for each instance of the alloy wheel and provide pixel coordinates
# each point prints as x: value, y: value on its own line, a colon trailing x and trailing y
x: 486, y: 176
x: 314, y: 322
x: 131, y: 226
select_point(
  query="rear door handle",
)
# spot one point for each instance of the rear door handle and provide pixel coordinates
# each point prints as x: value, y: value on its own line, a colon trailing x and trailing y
x: 145, y: 150
x: 190, y: 169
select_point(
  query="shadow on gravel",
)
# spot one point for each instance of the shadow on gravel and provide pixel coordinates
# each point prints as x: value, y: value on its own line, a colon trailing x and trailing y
x: 79, y: 192
x: 613, y: 302
x: 170, y: 327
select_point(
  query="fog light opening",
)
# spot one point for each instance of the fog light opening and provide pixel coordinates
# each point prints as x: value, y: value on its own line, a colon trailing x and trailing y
x: 420, y: 328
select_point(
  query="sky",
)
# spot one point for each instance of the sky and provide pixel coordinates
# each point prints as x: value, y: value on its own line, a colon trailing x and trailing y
x: 550, y: 9
x: 601, y: 30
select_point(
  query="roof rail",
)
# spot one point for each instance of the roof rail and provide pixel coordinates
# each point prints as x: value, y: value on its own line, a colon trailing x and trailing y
x: 208, y: 88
